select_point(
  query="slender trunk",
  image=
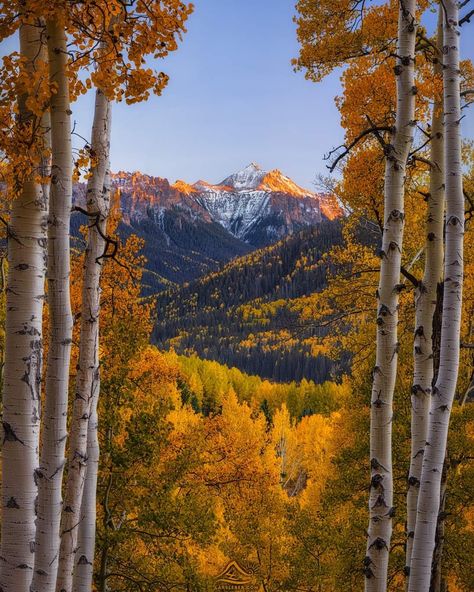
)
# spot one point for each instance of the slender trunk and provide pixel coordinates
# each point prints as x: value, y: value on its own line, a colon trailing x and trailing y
x: 60, y: 320
x: 23, y: 357
x: 87, y: 383
x: 84, y: 567
x: 468, y: 395
x: 384, y: 376
x: 4, y: 294
x: 107, y: 521
x: 445, y: 388
x: 83, y: 571
x: 425, y: 305
x: 437, y: 580
x: 104, y: 559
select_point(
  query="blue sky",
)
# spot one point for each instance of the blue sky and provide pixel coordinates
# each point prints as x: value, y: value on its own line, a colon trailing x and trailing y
x: 233, y: 98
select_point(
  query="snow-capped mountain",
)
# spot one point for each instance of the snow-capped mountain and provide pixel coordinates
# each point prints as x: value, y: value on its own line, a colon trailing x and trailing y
x: 190, y: 230
x: 259, y: 206
x: 247, y: 179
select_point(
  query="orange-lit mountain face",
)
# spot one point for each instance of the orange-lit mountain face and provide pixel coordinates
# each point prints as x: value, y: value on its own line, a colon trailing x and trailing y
x: 255, y: 206
x: 143, y: 196
x: 190, y: 230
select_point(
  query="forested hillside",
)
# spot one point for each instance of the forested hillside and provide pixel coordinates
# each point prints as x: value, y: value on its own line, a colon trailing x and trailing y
x: 178, y: 250
x: 224, y: 315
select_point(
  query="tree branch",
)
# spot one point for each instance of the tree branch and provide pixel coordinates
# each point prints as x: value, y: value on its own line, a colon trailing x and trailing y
x: 466, y: 18
x: 409, y: 276
x: 347, y: 148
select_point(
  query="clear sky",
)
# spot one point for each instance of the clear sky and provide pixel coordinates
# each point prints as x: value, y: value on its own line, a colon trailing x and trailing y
x: 233, y: 98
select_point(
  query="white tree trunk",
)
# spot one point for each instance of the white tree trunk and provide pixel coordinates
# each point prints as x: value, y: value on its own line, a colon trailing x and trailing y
x: 384, y: 376
x: 425, y: 304
x: 84, y: 568
x: 444, y: 390
x: 84, y: 564
x: 87, y: 383
x: 60, y: 321
x: 23, y: 357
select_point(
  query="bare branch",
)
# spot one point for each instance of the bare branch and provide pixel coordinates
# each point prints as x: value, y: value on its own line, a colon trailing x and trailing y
x: 375, y: 130
x: 466, y: 18
x: 409, y: 276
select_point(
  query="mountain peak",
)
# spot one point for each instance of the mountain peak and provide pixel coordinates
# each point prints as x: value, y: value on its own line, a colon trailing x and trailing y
x: 202, y: 185
x: 275, y: 180
x: 254, y: 166
x: 248, y: 178
x: 184, y: 187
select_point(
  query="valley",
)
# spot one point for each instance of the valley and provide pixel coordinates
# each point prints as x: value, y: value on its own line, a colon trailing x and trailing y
x: 246, y: 314
x: 214, y: 252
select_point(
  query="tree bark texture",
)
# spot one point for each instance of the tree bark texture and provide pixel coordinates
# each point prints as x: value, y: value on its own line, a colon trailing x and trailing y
x: 384, y: 375
x: 445, y: 388
x: 79, y: 515
x: 23, y: 360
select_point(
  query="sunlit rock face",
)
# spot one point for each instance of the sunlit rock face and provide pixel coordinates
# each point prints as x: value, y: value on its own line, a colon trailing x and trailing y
x: 191, y: 229
x: 260, y: 207
x: 255, y: 206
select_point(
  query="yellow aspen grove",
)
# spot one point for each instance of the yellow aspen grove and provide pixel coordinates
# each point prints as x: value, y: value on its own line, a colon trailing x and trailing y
x: 23, y: 348
x: 445, y: 387
x: 60, y: 316
x: 425, y: 303
x: 385, y: 371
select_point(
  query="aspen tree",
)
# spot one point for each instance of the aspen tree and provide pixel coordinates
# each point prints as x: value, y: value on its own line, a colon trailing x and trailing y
x: 425, y: 304
x: 84, y: 556
x: 444, y: 390
x: 23, y: 349
x: 87, y: 383
x: 60, y: 316
x: 384, y: 374
x: 84, y: 567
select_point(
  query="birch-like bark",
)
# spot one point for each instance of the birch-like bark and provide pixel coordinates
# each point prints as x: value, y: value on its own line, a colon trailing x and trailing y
x: 87, y: 383
x: 60, y: 320
x: 437, y: 581
x: 425, y: 305
x: 84, y: 568
x: 384, y: 376
x: 3, y: 290
x: 445, y: 388
x: 23, y: 357
x: 84, y: 556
